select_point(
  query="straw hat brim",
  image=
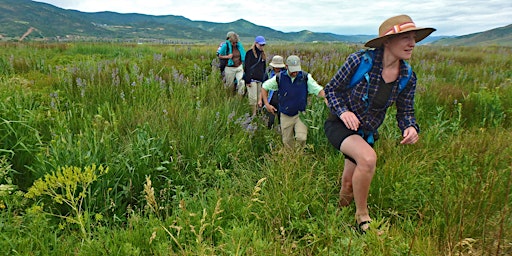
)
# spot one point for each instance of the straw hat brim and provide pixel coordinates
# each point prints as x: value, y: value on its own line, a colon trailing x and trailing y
x: 421, y: 33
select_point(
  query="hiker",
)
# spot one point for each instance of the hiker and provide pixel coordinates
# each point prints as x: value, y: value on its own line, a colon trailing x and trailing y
x: 254, y: 72
x: 293, y: 86
x: 222, y: 63
x: 234, y: 52
x: 276, y: 66
x: 357, y: 112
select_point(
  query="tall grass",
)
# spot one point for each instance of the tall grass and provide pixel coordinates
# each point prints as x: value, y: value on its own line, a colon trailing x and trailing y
x: 192, y: 173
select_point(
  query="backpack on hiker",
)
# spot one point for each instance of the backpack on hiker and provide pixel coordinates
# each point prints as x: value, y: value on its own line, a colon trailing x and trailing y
x: 366, y: 65
x: 222, y: 62
x: 362, y: 71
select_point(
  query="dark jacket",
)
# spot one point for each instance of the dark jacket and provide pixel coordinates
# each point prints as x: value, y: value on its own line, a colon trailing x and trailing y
x: 254, y: 68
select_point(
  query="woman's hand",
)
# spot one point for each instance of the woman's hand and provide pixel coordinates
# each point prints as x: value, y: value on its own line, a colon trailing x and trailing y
x: 410, y: 136
x: 350, y: 120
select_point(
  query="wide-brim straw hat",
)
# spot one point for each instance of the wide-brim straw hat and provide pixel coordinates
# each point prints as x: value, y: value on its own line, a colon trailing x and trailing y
x: 398, y: 25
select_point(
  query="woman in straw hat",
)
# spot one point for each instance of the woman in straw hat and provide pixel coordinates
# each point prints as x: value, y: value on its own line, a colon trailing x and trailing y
x: 357, y: 111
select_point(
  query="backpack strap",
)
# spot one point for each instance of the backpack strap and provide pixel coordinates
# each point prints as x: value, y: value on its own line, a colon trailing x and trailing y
x: 363, y: 69
x: 366, y: 65
x: 304, y: 77
x: 402, y: 83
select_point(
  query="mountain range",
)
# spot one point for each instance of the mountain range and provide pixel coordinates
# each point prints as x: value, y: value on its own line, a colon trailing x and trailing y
x: 35, y: 21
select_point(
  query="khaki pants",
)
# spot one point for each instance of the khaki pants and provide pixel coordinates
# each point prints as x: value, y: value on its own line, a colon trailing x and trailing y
x: 231, y: 73
x: 292, y: 128
x: 253, y: 91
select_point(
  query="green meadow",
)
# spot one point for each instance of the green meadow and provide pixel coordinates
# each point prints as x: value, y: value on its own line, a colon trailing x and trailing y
x: 112, y: 149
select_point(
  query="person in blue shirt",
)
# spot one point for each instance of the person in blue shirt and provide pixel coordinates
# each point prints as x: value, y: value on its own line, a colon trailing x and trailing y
x: 234, y: 52
x: 293, y: 87
x: 357, y: 112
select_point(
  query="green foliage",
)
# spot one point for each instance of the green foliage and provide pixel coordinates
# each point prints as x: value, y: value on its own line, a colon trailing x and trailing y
x: 6, y: 185
x: 68, y: 186
x: 191, y: 172
x: 487, y: 104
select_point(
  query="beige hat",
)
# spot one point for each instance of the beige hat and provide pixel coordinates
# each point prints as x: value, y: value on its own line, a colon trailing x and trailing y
x: 293, y: 63
x: 277, y: 62
x: 397, y: 25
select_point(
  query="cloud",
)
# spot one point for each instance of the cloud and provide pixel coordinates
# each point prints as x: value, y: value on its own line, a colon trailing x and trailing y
x: 340, y: 17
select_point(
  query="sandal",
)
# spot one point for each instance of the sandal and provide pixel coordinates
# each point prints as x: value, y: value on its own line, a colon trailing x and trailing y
x: 359, y: 226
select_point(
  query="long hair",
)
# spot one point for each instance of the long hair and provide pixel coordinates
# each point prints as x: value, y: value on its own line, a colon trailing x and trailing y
x: 253, y: 49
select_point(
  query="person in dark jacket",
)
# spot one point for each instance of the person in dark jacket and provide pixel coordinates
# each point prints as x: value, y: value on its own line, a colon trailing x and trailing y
x: 254, y: 72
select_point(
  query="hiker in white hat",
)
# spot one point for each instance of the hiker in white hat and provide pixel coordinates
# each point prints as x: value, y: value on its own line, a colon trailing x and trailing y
x: 275, y: 67
x: 359, y: 95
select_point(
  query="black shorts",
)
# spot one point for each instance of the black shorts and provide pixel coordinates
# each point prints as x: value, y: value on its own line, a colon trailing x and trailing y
x: 336, y: 132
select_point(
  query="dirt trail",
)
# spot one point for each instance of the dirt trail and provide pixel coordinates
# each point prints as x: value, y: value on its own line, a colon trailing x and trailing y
x: 30, y: 30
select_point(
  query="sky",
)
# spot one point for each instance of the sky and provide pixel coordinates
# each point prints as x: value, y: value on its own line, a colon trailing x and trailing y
x: 343, y: 17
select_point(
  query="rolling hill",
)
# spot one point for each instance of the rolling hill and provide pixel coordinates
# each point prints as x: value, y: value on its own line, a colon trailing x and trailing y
x: 29, y: 20
x: 499, y: 36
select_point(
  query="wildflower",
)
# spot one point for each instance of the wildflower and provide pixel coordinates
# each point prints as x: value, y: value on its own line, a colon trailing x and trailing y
x: 246, y: 123
x: 157, y: 57
x: 79, y: 82
x: 231, y: 115
x: 217, y: 117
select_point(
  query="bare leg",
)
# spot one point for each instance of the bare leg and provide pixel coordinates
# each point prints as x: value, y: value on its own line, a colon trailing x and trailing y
x: 346, y: 191
x: 366, y: 160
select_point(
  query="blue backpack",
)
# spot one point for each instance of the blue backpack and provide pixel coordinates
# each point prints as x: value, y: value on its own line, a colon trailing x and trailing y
x: 362, y: 71
x: 366, y: 65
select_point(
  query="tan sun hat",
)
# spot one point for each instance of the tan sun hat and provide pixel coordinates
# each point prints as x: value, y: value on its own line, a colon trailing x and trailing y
x: 277, y: 62
x: 397, y: 25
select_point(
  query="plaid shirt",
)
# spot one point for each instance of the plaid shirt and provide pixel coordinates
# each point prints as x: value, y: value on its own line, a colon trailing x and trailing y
x: 342, y: 99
